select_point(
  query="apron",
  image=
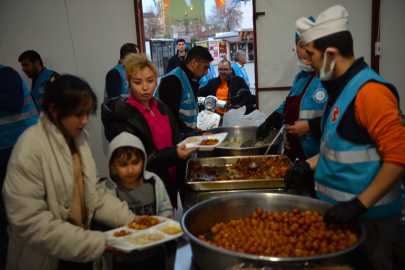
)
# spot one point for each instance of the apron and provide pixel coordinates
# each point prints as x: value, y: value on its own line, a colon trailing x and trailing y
x: 292, y: 145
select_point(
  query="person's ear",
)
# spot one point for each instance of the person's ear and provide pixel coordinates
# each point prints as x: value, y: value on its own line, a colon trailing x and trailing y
x: 194, y: 63
x: 331, y: 53
x: 53, y: 111
x: 37, y: 64
x: 112, y: 167
x: 330, y: 57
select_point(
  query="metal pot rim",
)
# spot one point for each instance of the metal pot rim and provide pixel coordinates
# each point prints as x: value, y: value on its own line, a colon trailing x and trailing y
x: 240, y: 148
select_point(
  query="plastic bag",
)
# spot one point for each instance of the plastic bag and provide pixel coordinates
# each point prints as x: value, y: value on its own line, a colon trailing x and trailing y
x: 237, y: 117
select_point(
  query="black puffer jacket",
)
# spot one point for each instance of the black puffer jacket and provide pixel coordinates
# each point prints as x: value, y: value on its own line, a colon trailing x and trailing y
x: 118, y: 116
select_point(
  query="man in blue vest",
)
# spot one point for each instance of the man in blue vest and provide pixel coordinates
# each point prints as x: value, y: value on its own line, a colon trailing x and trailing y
x: 178, y: 89
x: 17, y: 113
x: 33, y: 67
x: 210, y: 75
x: 116, y: 83
x: 303, y: 108
x: 240, y: 60
x: 361, y: 158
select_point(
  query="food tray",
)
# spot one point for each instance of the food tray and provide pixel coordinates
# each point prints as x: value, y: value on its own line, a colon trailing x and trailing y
x: 219, y: 136
x: 123, y: 243
x: 222, y: 164
x: 190, y: 141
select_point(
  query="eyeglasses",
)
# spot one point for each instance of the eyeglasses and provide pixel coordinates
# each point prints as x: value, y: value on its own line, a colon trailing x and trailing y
x: 223, y: 69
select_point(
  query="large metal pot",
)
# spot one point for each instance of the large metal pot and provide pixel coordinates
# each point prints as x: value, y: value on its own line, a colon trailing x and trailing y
x: 242, y: 133
x: 201, y: 217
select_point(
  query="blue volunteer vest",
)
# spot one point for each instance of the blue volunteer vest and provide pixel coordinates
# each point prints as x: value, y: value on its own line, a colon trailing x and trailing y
x: 12, y: 124
x: 38, y: 89
x: 344, y: 169
x: 204, y: 80
x: 124, y: 83
x: 188, y: 103
x: 312, y: 106
x: 240, y: 73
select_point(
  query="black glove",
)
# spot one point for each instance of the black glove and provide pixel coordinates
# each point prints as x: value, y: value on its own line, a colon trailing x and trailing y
x: 295, y: 174
x: 344, y: 212
x: 275, y: 120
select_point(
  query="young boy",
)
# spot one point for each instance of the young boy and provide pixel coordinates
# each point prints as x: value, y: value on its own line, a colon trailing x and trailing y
x: 144, y: 192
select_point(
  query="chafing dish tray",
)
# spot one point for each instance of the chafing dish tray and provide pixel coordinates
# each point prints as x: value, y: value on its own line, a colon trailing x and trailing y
x: 200, y: 180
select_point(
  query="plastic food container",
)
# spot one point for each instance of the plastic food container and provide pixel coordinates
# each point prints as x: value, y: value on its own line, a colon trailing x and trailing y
x: 168, y: 230
x: 192, y: 142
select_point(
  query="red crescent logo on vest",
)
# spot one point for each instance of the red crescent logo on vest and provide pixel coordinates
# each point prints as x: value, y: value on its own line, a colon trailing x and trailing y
x: 335, y: 114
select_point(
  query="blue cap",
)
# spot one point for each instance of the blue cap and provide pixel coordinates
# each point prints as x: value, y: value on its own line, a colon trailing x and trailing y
x: 297, y: 37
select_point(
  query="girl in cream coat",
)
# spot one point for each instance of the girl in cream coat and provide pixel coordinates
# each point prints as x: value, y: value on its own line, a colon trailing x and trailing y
x: 40, y: 185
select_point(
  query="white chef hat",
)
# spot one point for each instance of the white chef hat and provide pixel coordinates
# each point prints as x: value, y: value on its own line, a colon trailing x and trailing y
x: 333, y: 20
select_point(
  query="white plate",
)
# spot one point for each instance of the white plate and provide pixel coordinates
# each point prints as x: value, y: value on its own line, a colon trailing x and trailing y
x: 124, y: 244
x: 219, y: 136
x: 191, y: 141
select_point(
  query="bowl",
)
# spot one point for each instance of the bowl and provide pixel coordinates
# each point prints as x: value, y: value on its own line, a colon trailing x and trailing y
x: 200, y: 218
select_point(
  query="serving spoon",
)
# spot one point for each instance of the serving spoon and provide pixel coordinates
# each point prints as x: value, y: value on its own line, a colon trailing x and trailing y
x: 254, y: 165
x: 251, y: 143
x: 248, y: 143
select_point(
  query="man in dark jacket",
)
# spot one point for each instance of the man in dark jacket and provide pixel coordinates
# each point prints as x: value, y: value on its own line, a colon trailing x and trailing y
x: 179, y: 57
x: 226, y: 86
x: 178, y: 89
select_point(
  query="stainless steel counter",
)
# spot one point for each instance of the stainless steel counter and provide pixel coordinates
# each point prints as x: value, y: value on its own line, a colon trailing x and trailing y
x: 184, y: 256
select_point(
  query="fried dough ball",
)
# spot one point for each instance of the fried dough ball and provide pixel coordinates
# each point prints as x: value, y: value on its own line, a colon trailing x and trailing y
x: 294, y: 234
x: 121, y: 233
x: 144, y: 223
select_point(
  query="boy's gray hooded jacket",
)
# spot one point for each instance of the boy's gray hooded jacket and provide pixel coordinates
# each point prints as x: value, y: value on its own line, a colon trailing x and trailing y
x: 163, y: 205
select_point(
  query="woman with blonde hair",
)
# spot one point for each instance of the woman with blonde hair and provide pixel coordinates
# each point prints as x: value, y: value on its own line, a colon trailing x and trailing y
x: 151, y: 121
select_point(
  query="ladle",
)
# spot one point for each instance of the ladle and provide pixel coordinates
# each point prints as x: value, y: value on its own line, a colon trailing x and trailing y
x: 254, y: 165
x: 248, y: 143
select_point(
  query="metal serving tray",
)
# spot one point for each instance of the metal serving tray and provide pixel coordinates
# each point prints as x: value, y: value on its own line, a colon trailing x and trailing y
x: 222, y: 164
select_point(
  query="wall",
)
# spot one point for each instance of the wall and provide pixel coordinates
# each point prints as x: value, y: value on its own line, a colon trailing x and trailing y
x: 392, y: 59
x: 76, y: 37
